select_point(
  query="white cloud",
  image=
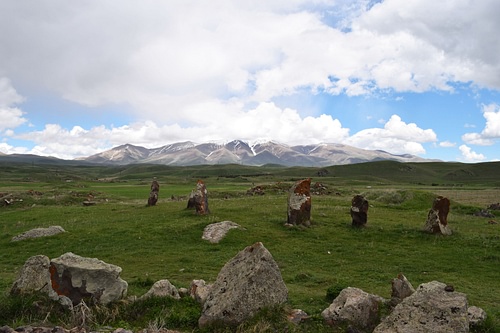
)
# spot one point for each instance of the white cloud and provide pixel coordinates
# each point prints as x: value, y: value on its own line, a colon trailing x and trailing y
x: 447, y: 144
x: 10, y: 116
x: 396, y: 137
x: 491, y: 131
x: 178, y: 52
x: 469, y: 155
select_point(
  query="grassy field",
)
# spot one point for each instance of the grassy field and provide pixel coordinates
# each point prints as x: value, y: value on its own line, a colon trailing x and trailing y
x: 164, y: 241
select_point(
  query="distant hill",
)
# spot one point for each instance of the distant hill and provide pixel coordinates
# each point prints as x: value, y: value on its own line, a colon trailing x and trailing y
x: 240, y: 152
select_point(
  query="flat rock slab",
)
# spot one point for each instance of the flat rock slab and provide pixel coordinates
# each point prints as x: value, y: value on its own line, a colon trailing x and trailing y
x: 215, y: 232
x: 39, y: 232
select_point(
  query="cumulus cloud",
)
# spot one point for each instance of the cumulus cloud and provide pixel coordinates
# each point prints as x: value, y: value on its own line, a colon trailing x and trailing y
x: 179, y: 51
x: 491, y: 131
x: 396, y: 137
x: 10, y: 116
x: 469, y: 155
x: 447, y: 144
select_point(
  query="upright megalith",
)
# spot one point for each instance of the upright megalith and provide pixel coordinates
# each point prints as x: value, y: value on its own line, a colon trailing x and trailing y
x: 299, y: 203
x: 80, y: 278
x: 437, y: 218
x: 359, y: 211
x: 153, y: 194
x: 246, y: 284
x: 198, y: 199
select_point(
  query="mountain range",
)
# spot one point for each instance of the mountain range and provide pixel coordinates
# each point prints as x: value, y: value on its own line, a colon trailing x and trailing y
x: 240, y: 152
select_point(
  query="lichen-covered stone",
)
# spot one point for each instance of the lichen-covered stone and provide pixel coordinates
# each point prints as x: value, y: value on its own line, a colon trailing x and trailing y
x: 246, y: 284
x: 299, y: 203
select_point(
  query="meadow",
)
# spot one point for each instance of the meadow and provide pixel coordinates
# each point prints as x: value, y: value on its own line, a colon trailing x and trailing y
x: 164, y: 241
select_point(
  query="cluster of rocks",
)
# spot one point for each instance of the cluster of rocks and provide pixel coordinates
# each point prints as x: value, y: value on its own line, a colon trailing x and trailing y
x: 246, y: 284
x: 431, y: 307
x: 252, y: 281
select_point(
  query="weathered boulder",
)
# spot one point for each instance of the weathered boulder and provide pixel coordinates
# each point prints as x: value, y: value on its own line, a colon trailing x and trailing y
x: 429, y: 309
x: 80, y: 278
x: 198, y: 199
x: 356, y: 308
x: 401, y: 288
x: 39, y: 232
x: 216, y: 231
x: 299, y: 203
x: 198, y: 290
x: 476, y: 316
x: 162, y: 288
x: 34, y: 276
x: 153, y: 194
x: 359, y: 211
x: 246, y: 284
x: 437, y: 218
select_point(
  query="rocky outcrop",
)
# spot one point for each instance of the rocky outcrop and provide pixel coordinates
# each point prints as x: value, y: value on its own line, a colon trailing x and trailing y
x: 162, y: 288
x: 299, y: 203
x: 359, y: 211
x: 215, y: 232
x: 246, y: 284
x: 79, y: 278
x: 355, y: 308
x: 431, y: 308
x: 39, y: 232
x: 437, y: 218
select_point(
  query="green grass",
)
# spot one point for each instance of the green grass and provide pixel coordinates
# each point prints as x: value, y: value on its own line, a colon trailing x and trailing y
x: 164, y: 241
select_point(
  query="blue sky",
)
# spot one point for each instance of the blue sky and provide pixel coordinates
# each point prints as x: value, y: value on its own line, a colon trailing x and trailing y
x: 406, y: 76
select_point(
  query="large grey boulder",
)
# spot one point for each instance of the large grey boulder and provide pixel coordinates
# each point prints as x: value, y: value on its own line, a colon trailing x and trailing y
x: 355, y: 308
x: 215, y: 232
x: 39, y: 232
x: 431, y: 308
x: 80, y: 278
x: 246, y: 284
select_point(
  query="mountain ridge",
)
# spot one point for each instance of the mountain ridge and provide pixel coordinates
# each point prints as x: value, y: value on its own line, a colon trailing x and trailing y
x: 241, y: 152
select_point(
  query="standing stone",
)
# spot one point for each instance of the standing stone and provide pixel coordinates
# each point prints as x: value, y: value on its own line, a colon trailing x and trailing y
x: 437, y: 219
x: 359, y: 211
x: 246, y: 284
x: 299, y: 203
x: 153, y: 194
x: 431, y: 308
x: 199, y: 199
x: 79, y: 278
